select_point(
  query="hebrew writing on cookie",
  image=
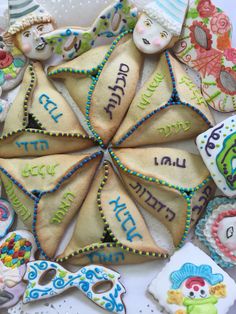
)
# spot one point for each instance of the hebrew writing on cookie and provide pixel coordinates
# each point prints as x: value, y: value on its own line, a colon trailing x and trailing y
x: 16, y: 250
x: 192, y: 283
x: 48, y: 279
x: 206, y: 46
x: 217, y: 147
x: 216, y: 230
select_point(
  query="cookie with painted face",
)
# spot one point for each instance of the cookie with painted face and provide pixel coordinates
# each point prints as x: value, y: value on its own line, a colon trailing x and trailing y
x: 169, y: 107
x: 42, y: 192
x: 28, y: 22
x: 71, y: 42
x: 216, y: 230
x: 111, y: 229
x: 193, y: 283
x: 44, y: 120
x: 159, y: 25
x: 217, y: 147
x: 172, y: 185
x: 7, y: 216
x: 206, y: 46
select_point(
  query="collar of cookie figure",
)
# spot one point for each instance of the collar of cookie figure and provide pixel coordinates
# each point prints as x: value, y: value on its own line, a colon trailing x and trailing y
x: 98, y: 283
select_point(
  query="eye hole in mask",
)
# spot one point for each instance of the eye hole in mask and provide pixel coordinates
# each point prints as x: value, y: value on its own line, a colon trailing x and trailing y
x: 102, y: 287
x: 47, y: 277
x: 230, y: 232
x: 115, y: 23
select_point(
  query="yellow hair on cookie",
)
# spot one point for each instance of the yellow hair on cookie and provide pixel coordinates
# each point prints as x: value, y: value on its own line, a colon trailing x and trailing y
x: 219, y: 290
x: 175, y: 297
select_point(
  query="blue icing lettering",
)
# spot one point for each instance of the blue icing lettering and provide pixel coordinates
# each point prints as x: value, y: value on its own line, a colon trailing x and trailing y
x: 125, y: 219
x: 103, y: 257
x: 50, y: 106
x: 36, y: 145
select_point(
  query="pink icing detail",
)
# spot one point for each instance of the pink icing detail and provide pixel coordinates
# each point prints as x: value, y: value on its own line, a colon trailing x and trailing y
x: 140, y: 29
x: 220, y: 23
x: 214, y: 229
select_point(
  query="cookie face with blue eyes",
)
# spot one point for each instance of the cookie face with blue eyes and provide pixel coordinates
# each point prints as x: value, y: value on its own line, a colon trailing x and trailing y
x: 149, y: 36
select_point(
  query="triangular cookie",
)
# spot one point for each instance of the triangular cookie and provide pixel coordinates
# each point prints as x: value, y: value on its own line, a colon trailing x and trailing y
x: 169, y: 107
x: 39, y: 101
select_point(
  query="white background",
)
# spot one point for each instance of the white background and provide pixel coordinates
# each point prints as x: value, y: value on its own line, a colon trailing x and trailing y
x: 134, y: 277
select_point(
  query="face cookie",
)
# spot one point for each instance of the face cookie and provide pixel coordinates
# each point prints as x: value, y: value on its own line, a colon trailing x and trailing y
x: 216, y: 230
x: 44, y: 120
x: 217, y: 147
x: 192, y: 283
x: 47, y: 279
x: 205, y: 45
x: 28, y: 22
x: 12, y: 66
x: 70, y: 42
x: 167, y: 108
x: 42, y: 192
x: 7, y: 216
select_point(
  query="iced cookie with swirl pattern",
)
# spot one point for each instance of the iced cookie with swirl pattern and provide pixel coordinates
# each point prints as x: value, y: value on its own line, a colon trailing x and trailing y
x: 206, y: 46
x: 191, y: 282
x: 44, y: 120
x: 44, y: 193
x: 172, y: 185
x: 216, y: 230
x: 167, y: 108
x: 110, y: 228
x: 218, y: 150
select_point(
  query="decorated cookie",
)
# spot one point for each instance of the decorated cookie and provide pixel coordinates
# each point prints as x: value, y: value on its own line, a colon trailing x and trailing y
x: 71, y: 42
x: 217, y: 147
x: 28, y: 22
x: 111, y: 229
x: 12, y: 66
x: 43, y: 192
x: 44, y: 120
x: 17, y: 249
x: 7, y: 215
x: 167, y: 108
x: 216, y: 230
x: 159, y: 25
x: 206, y: 46
x: 192, y: 283
x: 47, y: 279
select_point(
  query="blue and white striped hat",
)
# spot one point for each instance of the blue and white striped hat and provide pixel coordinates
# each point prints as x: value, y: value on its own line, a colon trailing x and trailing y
x: 169, y: 13
x: 24, y: 13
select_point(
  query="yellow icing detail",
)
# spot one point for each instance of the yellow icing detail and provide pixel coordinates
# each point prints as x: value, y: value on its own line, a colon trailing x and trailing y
x: 145, y: 97
x: 67, y: 201
x: 175, y: 297
x: 40, y: 170
x: 20, y: 209
x: 194, y: 89
x: 179, y: 126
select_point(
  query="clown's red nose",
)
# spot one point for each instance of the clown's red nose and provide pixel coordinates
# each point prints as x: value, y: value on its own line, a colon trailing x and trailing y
x: 2, y: 54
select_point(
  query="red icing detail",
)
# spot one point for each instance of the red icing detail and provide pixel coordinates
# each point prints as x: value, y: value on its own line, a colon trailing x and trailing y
x: 27, y: 243
x: 3, y: 54
x: 215, y: 227
x: 6, y: 59
x: 193, y: 281
x: 21, y: 253
x: 196, y: 288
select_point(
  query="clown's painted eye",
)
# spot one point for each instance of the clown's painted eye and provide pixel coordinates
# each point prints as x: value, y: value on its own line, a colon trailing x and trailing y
x: 40, y: 27
x: 191, y: 294
x: 164, y: 34
x: 26, y: 34
x: 202, y: 292
x: 148, y: 23
x: 230, y: 232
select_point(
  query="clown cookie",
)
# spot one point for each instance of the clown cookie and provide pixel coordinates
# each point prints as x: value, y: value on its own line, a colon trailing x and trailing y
x: 216, y: 230
x: 192, y: 283
x: 218, y: 149
x: 7, y: 215
x: 88, y: 280
x: 169, y: 107
x: 206, y: 46
x: 44, y: 119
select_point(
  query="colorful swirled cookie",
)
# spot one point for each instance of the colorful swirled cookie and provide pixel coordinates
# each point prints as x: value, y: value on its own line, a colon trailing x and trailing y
x: 111, y: 228
x: 216, y: 230
x: 71, y: 42
x: 47, y: 279
x: 169, y: 107
x: 206, y: 46
x: 44, y: 120
x: 193, y: 283
x: 44, y: 192
x: 7, y: 216
x: 218, y: 149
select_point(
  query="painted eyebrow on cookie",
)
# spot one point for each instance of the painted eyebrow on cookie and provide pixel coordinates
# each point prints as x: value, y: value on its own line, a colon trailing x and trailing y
x: 149, y: 20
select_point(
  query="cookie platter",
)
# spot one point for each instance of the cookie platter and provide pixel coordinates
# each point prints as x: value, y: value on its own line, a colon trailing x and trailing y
x: 135, y: 278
